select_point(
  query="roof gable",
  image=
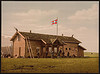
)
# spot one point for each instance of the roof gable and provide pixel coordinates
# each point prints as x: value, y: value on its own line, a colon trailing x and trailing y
x: 14, y: 36
x: 57, y: 42
x: 53, y: 40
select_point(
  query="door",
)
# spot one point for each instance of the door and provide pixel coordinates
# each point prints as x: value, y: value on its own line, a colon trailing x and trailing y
x: 19, y: 51
x: 68, y: 54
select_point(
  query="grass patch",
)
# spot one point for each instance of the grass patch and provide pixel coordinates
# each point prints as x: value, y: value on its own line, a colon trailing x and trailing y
x: 49, y: 65
x: 91, y: 54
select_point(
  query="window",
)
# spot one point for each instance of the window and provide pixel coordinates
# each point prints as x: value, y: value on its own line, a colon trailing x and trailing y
x: 18, y: 37
x: 37, y: 49
x: 66, y: 48
x: 69, y: 48
x: 50, y: 49
x: 55, y: 49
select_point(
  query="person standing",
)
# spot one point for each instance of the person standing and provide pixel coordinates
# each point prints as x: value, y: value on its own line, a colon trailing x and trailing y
x: 63, y: 53
x: 58, y: 55
x: 46, y: 53
x: 38, y: 53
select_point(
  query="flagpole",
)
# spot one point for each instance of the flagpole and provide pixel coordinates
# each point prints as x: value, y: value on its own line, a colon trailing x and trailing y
x: 57, y: 25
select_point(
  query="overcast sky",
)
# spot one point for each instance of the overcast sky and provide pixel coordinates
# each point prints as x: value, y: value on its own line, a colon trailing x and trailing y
x: 74, y: 17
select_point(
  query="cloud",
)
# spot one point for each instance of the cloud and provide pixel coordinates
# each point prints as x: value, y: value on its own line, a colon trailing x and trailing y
x: 5, y: 40
x: 89, y: 14
x: 84, y: 25
x: 33, y: 19
x: 30, y: 16
x: 34, y: 15
x: 86, y: 16
x: 37, y: 12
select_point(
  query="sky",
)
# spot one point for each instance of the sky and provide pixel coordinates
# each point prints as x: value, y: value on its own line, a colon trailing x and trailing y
x: 80, y: 18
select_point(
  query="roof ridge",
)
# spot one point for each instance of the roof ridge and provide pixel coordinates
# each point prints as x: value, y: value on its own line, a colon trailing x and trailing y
x: 46, y: 34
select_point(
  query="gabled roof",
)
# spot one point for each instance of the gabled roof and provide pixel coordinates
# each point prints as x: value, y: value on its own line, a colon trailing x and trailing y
x: 16, y: 35
x: 47, y: 38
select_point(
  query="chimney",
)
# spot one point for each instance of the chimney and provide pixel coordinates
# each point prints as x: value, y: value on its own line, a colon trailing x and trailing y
x: 62, y: 34
x: 30, y: 31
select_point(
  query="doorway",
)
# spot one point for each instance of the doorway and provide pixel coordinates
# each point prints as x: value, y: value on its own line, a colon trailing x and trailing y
x: 19, y: 51
x: 68, y: 54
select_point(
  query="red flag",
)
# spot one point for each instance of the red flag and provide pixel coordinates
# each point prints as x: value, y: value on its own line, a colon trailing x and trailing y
x: 54, y: 22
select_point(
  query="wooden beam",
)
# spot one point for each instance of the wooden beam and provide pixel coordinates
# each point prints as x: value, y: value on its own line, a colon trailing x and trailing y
x: 31, y: 49
x: 28, y: 47
x: 43, y: 41
x: 21, y: 35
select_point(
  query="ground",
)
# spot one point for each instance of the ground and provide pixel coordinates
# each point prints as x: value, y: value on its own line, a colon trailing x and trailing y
x: 90, y: 64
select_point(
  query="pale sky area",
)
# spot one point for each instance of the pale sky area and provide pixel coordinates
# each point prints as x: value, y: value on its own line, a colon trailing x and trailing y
x: 80, y: 18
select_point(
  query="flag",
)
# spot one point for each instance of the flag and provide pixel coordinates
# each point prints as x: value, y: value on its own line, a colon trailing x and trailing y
x: 54, y: 22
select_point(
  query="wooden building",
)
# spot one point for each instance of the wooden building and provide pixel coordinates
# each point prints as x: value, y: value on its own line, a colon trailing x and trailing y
x: 27, y: 44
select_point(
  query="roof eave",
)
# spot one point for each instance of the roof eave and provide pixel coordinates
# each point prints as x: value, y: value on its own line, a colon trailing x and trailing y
x: 82, y: 47
x: 13, y: 37
x: 77, y: 40
x: 71, y: 42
